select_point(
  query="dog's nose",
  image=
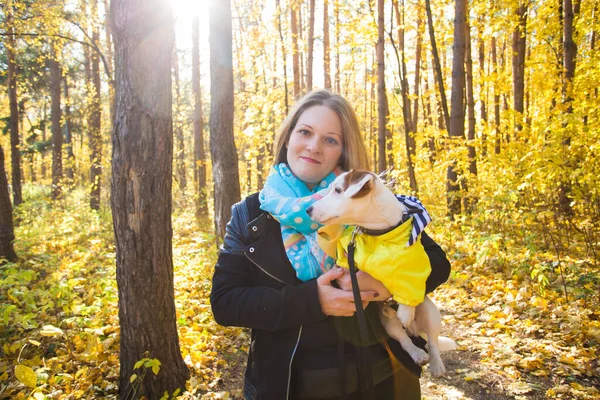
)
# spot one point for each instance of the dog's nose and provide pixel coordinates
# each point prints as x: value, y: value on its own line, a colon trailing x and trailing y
x: 309, y: 210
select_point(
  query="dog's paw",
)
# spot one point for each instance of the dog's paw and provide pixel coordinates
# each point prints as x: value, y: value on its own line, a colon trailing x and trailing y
x: 406, y: 314
x: 436, y: 367
x: 419, y: 356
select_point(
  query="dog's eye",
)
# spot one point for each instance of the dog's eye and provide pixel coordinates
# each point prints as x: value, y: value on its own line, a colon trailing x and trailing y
x: 338, y: 190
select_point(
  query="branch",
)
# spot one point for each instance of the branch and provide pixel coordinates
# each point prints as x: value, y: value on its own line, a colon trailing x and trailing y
x: 92, y: 45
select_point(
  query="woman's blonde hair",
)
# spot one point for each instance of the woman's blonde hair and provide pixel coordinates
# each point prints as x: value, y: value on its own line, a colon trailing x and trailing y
x: 354, y: 153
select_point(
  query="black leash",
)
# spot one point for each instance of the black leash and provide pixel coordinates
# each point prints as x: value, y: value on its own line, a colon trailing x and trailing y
x: 365, y: 377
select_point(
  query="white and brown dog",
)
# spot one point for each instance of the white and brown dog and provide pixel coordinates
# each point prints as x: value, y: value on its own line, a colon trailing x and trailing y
x: 360, y: 198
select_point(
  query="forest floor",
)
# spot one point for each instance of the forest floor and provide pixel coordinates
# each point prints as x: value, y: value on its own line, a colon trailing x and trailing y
x: 59, y: 323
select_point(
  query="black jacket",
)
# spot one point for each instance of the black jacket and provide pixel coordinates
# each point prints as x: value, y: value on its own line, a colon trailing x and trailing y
x: 255, y: 286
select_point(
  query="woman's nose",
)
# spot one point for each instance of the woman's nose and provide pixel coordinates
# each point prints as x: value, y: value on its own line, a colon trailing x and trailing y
x: 313, y: 145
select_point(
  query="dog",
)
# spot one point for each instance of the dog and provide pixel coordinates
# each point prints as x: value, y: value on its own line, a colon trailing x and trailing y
x: 360, y: 198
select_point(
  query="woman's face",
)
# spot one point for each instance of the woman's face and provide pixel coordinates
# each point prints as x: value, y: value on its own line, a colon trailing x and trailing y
x: 315, y: 145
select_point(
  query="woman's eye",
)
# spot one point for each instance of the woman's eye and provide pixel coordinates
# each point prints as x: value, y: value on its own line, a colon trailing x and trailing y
x: 338, y: 190
x: 304, y: 132
x: 331, y: 141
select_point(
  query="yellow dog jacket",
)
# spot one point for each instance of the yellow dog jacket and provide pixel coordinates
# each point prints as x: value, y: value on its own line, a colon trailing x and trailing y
x: 403, y: 270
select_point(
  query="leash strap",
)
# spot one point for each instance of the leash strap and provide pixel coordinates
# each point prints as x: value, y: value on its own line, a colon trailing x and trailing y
x: 364, y: 363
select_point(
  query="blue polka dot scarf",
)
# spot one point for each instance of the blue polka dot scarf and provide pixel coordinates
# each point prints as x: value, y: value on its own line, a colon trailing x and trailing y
x: 286, y: 198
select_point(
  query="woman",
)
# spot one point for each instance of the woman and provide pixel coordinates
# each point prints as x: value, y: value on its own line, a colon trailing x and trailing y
x: 303, y: 342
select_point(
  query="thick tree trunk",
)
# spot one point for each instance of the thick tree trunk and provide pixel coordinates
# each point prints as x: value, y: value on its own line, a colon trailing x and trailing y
x: 178, y: 125
x: 7, y: 232
x: 15, y: 150
x: 68, y: 134
x: 55, y: 116
x: 199, y: 152
x: 95, y: 135
x: 470, y: 107
x: 311, y: 46
x: 295, y: 50
x: 222, y: 144
x: 326, y: 47
x: 437, y: 68
x: 141, y: 196
x: 518, y: 63
x: 382, y: 105
x: 457, y: 118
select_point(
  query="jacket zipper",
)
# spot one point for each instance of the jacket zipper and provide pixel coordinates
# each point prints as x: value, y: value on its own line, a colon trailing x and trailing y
x: 259, y: 267
x: 291, y: 360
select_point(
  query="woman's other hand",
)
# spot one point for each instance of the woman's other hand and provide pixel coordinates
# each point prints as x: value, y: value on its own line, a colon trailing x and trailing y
x: 339, y: 302
x: 365, y: 282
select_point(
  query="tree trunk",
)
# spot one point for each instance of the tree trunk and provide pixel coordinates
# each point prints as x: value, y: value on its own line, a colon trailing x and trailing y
x: 518, y: 61
x: 283, y: 56
x: 569, y: 61
x: 55, y: 116
x: 336, y: 81
x: 437, y: 68
x: 141, y: 197
x: 471, y: 197
x: 222, y: 144
x: 382, y: 104
x: 178, y: 124
x: 457, y: 118
x: 295, y: 51
x: 109, y: 62
x: 326, y: 47
x: 311, y: 45
x: 409, y: 126
x: 15, y: 149
x: 482, y: 95
x: 7, y: 232
x: 68, y: 133
x: 199, y: 152
x: 95, y: 135
x: 496, y: 91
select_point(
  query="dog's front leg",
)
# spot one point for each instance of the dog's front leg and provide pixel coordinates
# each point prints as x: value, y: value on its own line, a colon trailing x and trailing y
x: 394, y: 328
x: 406, y: 314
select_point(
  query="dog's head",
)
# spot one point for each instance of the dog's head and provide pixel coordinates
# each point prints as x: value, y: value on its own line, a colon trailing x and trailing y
x: 357, y: 197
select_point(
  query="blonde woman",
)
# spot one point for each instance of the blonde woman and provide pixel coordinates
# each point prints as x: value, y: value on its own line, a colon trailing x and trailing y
x: 272, y: 277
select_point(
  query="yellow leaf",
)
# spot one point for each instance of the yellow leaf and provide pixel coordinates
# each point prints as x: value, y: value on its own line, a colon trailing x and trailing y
x: 50, y: 330
x: 133, y: 378
x: 26, y: 376
x: 34, y: 342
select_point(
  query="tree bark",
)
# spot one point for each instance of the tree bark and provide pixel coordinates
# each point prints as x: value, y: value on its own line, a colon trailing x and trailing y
x: 95, y: 133
x: 68, y: 133
x: 457, y: 118
x: 482, y: 95
x: 326, y: 47
x: 109, y: 62
x: 311, y: 45
x: 199, y: 152
x: 497, y: 132
x: 470, y: 107
x: 7, y: 232
x: 178, y: 124
x: 283, y: 55
x: 222, y: 144
x: 141, y: 196
x: 295, y: 50
x: 15, y: 149
x: 55, y: 116
x: 437, y: 67
x: 518, y: 61
x: 382, y: 104
x: 336, y: 81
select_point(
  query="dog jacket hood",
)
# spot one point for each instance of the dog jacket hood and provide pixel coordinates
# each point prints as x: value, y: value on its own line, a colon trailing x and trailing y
x: 403, y: 270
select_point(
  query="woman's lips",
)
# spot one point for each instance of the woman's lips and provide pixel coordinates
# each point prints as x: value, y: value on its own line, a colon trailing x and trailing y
x: 310, y: 160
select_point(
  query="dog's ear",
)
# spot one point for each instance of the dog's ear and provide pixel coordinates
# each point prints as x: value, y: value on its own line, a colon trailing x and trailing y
x: 360, y: 183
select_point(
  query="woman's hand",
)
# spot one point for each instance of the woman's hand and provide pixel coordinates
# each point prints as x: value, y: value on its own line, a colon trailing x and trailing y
x: 338, y: 302
x: 365, y: 282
